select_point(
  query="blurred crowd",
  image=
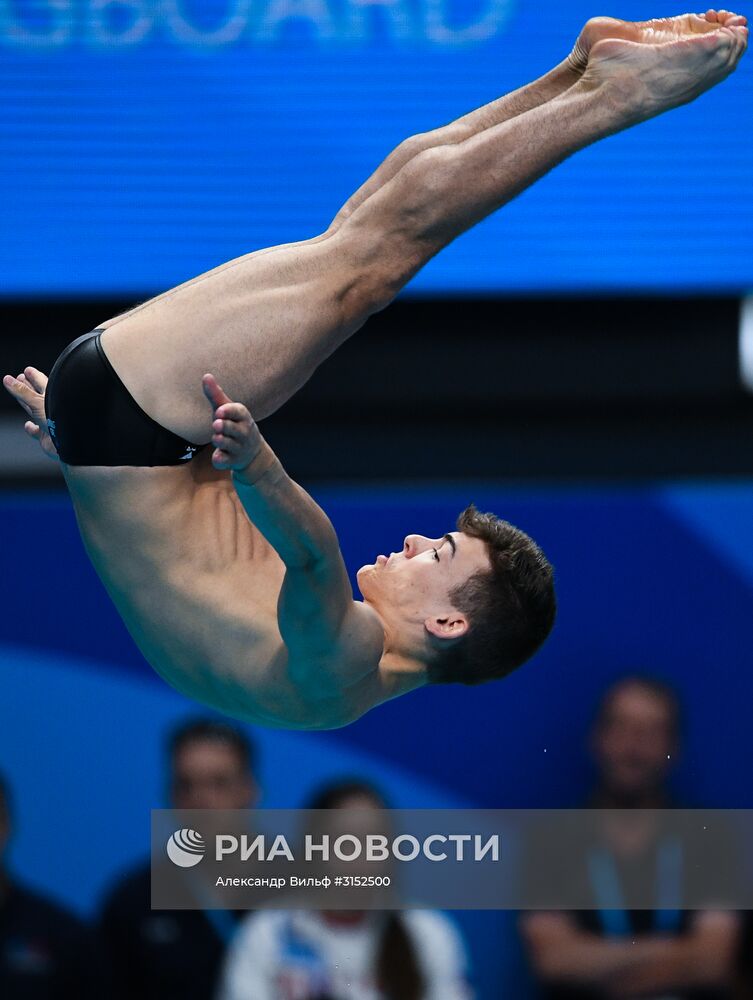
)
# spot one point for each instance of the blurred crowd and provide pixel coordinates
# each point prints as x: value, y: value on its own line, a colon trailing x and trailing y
x: 131, y: 952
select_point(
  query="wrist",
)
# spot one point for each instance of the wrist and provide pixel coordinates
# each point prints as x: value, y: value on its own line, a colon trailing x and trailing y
x: 264, y: 460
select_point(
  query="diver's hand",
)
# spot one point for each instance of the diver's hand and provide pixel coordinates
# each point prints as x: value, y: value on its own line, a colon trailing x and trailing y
x: 28, y: 390
x: 236, y: 438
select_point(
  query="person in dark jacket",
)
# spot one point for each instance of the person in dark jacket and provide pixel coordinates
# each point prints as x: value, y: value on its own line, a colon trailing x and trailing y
x: 46, y: 952
x: 610, y: 950
x: 177, y: 954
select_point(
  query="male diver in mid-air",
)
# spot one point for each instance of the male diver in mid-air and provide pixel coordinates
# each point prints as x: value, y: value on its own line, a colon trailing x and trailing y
x: 227, y: 574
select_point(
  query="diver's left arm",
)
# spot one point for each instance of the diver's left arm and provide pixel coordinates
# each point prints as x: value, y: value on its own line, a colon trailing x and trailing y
x: 316, y: 598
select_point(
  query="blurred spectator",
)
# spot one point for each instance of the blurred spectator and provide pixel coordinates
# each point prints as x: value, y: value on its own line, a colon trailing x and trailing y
x: 46, y: 953
x: 611, y: 952
x: 346, y: 955
x: 177, y: 954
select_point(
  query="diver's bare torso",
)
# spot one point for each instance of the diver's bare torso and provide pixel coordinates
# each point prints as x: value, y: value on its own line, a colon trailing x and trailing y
x: 197, y: 586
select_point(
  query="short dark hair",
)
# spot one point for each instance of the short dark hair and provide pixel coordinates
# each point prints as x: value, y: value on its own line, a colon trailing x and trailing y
x: 203, y: 729
x: 510, y: 608
x: 332, y: 794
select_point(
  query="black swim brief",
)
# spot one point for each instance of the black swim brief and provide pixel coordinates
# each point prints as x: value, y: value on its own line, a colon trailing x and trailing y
x: 94, y: 420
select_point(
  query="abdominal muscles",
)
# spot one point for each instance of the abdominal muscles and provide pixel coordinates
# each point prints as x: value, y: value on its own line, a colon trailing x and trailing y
x: 194, y: 582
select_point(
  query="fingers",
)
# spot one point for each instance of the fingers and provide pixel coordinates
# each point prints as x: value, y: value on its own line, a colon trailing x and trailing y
x: 226, y: 443
x: 37, y: 379
x: 221, y: 459
x: 33, y: 378
x: 228, y: 436
x: 42, y: 438
x: 232, y: 412
x: 227, y: 430
x: 23, y: 393
x: 213, y: 391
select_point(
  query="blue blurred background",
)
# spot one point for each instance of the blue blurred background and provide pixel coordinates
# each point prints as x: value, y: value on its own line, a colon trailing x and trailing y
x: 146, y: 142
x: 587, y: 347
x: 656, y: 579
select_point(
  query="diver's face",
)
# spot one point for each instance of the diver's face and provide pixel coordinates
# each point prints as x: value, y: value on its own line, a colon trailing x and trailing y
x: 417, y: 581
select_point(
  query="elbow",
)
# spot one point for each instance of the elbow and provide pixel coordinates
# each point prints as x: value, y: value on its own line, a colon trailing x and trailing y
x: 312, y: 550
x: 323, y: 544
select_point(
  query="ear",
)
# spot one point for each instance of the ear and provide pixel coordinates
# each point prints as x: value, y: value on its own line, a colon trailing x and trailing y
x: 450, y: 626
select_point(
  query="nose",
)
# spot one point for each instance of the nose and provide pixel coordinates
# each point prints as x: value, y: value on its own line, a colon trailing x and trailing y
x: 414, y: 545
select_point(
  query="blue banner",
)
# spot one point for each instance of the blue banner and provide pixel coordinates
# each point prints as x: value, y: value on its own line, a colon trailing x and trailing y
x: 145, y: 141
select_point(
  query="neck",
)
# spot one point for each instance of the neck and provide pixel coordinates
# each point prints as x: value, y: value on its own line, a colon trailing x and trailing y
x: 402, y: 665
x: 401, y: 672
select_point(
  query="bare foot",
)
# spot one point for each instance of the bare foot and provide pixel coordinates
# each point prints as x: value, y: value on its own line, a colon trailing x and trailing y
x: 664, y: 29
x: 658, y: 65
x: 28, y: 391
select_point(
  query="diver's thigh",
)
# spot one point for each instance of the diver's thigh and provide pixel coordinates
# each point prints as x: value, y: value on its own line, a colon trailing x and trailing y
x: 260, y: 324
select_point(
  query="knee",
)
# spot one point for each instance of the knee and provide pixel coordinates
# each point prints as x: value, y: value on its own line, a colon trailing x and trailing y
x: 393, y: 235
x: 427, y: 178
x: 427, y: 186
x: 372, y: 289
x: 374, y: 264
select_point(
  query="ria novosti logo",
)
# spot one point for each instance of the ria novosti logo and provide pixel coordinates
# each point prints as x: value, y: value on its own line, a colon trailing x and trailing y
x: 186, y: 848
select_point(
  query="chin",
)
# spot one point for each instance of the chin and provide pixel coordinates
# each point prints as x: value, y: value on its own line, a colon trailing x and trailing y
x: 364, y: 578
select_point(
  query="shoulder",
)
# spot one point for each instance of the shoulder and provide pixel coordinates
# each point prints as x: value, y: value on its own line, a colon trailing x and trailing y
x: 341, y: 678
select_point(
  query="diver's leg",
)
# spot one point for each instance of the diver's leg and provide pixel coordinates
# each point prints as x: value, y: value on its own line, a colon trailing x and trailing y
x: 263, y: 323
x: 446, y: 190
x: 305, y: 288
x: 546, y: 88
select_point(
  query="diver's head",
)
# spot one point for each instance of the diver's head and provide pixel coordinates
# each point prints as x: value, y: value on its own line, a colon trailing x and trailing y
x: 471, y: 605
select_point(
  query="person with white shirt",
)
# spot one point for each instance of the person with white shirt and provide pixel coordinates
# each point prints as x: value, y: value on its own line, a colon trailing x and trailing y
x: 346, y: 955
